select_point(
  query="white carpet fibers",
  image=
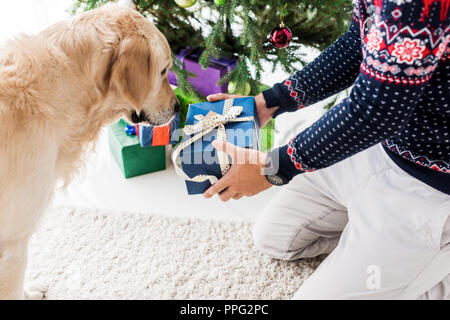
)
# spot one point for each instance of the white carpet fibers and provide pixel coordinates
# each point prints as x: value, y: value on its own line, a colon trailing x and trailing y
x: 92, y: 254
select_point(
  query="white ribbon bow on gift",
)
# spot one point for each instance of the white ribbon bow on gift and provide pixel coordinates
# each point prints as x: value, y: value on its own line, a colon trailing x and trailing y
x: 205, y: 125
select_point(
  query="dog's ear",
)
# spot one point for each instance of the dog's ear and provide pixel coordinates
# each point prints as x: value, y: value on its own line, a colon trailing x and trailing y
x: 130, y: 70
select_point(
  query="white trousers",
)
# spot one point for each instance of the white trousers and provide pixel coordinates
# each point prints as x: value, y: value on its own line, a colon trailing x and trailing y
x: 388, y: 234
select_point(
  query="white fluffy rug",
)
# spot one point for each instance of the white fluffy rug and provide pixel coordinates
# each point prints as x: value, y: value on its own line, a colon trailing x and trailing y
x: 92, y: 254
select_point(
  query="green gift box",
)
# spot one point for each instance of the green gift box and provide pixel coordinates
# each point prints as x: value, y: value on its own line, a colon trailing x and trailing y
x: 267, y: 136
x: 185, y: 101
x: 132, y: 159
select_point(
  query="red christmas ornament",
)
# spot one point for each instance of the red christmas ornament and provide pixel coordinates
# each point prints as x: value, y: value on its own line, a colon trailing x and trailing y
x: 281, y: 37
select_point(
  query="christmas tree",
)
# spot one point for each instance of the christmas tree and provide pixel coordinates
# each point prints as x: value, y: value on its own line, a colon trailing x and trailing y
x: 241, y: 29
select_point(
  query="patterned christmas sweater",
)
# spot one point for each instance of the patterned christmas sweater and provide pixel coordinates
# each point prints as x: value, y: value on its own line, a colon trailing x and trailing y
x: 396, y: 56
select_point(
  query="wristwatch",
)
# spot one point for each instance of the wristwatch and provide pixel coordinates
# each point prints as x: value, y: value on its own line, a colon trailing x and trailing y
x: 277, y: 179
x: 272, y: 175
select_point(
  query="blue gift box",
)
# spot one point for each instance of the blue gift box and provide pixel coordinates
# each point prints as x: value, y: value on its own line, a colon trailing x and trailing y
x: 159, y: 135
x: 200, y: 158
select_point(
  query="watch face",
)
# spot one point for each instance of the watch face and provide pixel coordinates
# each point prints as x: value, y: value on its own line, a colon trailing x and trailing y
x: 275, y: 180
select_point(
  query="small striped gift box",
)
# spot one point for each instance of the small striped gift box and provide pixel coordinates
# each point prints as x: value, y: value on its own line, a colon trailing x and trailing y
x: 151, y: 136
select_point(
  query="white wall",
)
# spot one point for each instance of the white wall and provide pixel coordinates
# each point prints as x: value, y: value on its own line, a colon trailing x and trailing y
x: 30, y: 16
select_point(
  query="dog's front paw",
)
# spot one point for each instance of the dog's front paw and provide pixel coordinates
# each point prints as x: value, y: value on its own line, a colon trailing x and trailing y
x: 35, y: 290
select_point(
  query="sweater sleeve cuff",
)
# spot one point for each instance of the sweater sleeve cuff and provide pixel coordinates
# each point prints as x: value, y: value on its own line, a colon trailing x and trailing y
x: 275, y: 97
x: 283, y: 164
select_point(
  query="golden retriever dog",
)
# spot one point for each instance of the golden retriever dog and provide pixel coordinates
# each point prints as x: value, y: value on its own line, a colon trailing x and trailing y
x: 57, y: 90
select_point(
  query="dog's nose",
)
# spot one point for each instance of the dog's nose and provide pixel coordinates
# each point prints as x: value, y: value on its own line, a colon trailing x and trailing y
x: 134, y: 117
x: 143, y: 117
x: 177, y: 107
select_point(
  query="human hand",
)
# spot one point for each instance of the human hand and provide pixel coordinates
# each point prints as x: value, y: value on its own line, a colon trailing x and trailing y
x: 264, y: 113
x: 245, y: 177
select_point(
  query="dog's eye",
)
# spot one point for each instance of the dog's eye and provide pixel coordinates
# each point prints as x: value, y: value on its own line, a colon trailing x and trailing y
x: 163, y: 72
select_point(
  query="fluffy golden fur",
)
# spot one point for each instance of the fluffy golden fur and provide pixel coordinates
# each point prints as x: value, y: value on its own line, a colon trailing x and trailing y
x: 57, y: 90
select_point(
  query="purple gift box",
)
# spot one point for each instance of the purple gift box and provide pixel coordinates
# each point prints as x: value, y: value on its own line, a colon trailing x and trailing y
x: 206, y: 80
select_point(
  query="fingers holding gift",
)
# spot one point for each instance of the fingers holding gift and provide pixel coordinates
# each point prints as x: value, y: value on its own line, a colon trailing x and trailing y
x: 239, y: 155
x: 237, y: 196
x: 221, y: 96
x: 219, y: 186
x: 227, y: 194
x: 228, y: 148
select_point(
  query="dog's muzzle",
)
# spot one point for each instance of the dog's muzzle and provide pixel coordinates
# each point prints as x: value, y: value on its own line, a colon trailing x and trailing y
x: 142, y: 117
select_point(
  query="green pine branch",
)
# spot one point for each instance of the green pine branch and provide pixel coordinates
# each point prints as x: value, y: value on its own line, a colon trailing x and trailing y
x: 240, y: 29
